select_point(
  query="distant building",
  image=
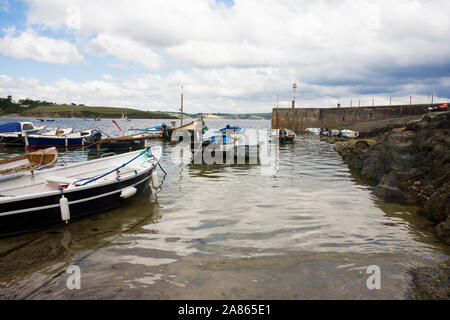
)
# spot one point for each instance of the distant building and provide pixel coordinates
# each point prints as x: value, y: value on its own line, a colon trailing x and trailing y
x: 24, y: 106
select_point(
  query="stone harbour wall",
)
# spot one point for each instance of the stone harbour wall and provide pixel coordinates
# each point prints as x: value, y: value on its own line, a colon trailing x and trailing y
x: 362, y: 119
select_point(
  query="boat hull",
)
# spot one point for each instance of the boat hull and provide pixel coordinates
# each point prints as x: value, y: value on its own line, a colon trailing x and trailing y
x: 286, y: 139
x: 118, y: 145
x: 243, y: 152
x: 10, y: 141
x: 37, y: 142
x: 41, y: 212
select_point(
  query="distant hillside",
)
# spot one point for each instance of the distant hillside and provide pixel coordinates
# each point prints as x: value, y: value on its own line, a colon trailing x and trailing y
x: 77, y: 111
x: 43, y: 109
x: 249, y: 116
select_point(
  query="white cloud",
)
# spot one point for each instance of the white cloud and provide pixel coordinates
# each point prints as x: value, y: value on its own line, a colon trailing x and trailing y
x: 263, y: 32
x: 28, y: 45
x: 124, y: 49
x: 211, y: 54
x: 107, y: 77
x: 239, y: 58
x: 214, y: 90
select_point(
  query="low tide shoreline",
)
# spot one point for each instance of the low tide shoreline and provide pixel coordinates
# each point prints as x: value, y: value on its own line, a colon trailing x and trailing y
x: 410, y: 164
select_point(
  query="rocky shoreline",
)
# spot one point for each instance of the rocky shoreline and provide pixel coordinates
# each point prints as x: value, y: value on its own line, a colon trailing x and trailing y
x: 410, y: 164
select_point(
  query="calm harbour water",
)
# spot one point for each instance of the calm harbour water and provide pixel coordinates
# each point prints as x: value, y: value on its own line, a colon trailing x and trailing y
x: 308, y: 231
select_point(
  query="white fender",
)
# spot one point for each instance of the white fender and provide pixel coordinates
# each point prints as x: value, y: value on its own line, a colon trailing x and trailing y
x: 155, y: 180
x: 64, y: 207
x: 128, y: 192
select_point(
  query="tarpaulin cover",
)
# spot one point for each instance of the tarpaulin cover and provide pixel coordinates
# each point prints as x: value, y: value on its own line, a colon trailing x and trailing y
x: 11, y: 127
x: 230, y: 128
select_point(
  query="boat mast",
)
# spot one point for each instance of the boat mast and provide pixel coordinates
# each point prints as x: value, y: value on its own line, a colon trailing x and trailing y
x: 181, y: 117
x: 276, y: 112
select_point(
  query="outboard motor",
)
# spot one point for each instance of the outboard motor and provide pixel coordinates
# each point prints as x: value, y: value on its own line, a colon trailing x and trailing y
x: 165, y: 134
x: 96, y: 135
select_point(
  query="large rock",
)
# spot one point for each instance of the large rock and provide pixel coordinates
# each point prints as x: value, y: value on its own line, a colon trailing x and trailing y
x: 432, y: 283
x: 443, y: 230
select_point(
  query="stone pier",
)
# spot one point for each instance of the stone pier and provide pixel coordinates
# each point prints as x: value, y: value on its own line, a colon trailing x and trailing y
x: 362, y: 119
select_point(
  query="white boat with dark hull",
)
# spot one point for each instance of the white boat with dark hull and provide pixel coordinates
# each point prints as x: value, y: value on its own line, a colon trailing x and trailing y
x: 226, y: 146
x: 284, y: 135
x: 12, y: 133
x: 54, y: 196
x: 57, y: 131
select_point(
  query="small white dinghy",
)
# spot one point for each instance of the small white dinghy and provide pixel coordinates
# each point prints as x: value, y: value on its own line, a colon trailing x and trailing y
x: 313, y: 131
x: 57, y: 131
x: 349, y: 133
x: 57, y: 195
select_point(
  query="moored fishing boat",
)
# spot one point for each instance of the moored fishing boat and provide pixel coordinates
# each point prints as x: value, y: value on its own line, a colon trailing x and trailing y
x: 75, y: 139
x: 57, y: 131
x: 125, y: 143
x: 57, y: 195
x: 152, y: 132
x: 284, y: 135
x: 29, y: 161
x: 176, y: 134
x: 348, y: 133
x: 12, y: 133
x: 224, y: 146
x: 231, y: 131
x: 313, y: 130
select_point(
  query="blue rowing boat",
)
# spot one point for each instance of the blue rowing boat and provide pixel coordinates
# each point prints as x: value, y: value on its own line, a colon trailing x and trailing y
x: 76, y: 139
x: 151, y: 132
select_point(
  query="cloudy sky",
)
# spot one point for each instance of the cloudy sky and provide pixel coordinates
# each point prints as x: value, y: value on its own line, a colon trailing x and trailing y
x: 230, y: 56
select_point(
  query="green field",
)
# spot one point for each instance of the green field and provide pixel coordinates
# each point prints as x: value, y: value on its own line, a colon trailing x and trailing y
x: 44, y: 109
x: 68, y: 111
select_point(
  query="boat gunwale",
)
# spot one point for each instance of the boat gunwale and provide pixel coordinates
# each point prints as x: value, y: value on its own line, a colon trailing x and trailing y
x: 31, y: 209
x: 62, y: 136
x: 7, y: 199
